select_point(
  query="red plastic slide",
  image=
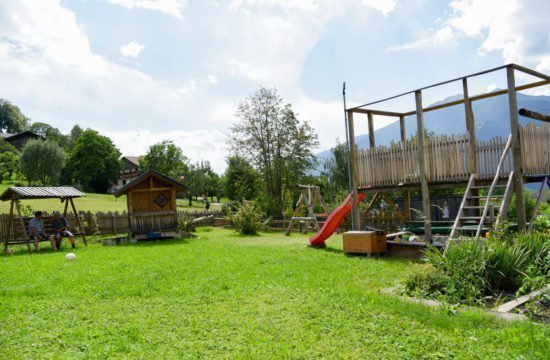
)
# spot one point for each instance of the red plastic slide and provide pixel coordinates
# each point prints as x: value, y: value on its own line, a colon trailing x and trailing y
x: 333, y: 221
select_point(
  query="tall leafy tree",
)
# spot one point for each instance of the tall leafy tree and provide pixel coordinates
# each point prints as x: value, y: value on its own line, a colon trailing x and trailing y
x: 50, y: 133
x: 42, y: 161
x: 9, y: 162
x: 270, y: 136
x: 75, y: 133
x: 12, y: 119
x: 95, y: 162
x: 241, y: 180
x: 7, y: 147
x: 166, y: 158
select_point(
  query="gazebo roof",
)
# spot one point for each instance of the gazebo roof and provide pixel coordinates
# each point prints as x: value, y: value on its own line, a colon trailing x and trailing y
x: 151, y: 173
x: 48, y: 192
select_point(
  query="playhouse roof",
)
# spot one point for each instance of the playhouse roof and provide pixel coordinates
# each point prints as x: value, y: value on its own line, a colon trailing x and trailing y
x: 48, y: 192
x: 151, y: 173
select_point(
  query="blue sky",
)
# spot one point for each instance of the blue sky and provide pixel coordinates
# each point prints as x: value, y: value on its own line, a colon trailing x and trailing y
x: 146, y: 70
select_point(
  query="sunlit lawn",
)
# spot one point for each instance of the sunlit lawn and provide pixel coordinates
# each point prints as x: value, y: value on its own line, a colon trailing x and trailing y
x: 223, y: 296
x: 96, y: 203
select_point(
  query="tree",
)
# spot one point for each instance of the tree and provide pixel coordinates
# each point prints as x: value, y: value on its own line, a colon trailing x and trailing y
x: 95, y: 162
x: 50, y: 133
x: 269, y: 135
x: 7, y: 147
x: 166, y: 158
x: 9, y: 162
x: 42, y: 161
x: 11, y: 118
x: 75, y: 133
x: 241, y: 180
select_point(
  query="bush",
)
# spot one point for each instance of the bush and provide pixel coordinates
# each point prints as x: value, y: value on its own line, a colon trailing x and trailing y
x: 185, y: 223
x: 247, y: 220
x: 471, y: 271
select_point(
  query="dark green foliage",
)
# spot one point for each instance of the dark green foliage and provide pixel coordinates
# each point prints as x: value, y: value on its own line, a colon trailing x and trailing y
x: 95, y: 162
x: 470, y: 271
x: 9, y: 163
x: 50, y: 133
x: 166, y: 158
x: 203, y: 181
x: 42, y: 161
x: 11, y: 118
x: 241, y: 180
x: 247, y: 220
x: 185, y: 223
x: 7, y: 147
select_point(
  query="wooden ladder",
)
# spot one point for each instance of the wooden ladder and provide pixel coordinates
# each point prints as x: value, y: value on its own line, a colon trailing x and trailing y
x: 468, y: 223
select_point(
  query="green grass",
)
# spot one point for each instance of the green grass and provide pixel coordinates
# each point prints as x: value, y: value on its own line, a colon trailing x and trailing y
x: 95, y: 203
x: 225, y: 296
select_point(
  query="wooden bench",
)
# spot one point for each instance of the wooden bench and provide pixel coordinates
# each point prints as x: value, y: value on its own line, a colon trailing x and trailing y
x: 48, y: 229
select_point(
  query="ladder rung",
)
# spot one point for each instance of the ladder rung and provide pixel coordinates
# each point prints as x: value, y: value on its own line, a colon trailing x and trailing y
x: 486, y: 186
x: 470, y: 217
x: 473, y: 207
x: 485, y: 197
x: 472, y: 228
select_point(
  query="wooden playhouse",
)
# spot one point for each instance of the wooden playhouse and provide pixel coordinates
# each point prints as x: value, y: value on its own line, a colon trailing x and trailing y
x: 152, y: 211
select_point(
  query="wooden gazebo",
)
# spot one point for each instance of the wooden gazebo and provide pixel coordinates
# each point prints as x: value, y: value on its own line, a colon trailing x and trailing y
x: 14, y: 194
x: 152, y: 211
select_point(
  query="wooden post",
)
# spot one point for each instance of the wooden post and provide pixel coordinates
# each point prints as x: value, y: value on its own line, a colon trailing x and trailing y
x: 516, y: 148
x: 9, y: 226
x: 355, y: 218
x: 78, y: 222
x: 66, y: 207
x: 372, y: 141
x: 422, y: 164
x: 403, y: 129
x: 470, y: 127
x: 23, y: 225
x: 130, y: 213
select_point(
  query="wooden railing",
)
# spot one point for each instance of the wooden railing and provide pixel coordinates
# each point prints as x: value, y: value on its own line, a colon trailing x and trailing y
x: 447, y: 159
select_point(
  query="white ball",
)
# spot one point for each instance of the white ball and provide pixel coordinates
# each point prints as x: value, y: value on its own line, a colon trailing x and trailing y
x: 70, y: 256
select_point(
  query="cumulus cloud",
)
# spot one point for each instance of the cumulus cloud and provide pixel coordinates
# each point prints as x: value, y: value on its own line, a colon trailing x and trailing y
x: 518, y: 29
x: 131, y: 49
x: 386, y: 7
x: 170, y: 7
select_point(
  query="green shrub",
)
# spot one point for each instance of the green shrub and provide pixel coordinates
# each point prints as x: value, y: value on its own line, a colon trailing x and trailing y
x: 247, y: 220
x: 185, y: 223
x: 230, y: 207
x: 470, y: 271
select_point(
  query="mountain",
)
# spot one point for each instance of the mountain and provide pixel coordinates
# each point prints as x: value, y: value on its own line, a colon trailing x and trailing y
x: 491, y: 118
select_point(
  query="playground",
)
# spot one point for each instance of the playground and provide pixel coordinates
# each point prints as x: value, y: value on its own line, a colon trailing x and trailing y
x: 223, y: 295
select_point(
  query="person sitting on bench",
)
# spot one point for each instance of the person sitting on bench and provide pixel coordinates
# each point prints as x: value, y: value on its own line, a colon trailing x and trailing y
x: 36, y: 231
x: 60, y: 227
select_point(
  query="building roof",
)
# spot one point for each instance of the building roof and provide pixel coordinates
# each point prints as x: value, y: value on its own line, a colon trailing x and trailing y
x: 48, y: 192
x: 5, y: 135
x: 23, y: 134
x: 126, y: 188
x: 132, y: 159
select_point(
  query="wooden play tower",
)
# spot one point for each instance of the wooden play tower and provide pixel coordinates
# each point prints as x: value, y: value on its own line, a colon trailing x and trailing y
x: 457, y: 161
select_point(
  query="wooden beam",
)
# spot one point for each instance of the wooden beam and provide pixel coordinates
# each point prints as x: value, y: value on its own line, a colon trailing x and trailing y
x: 403, y: 129
x: 10, y: 220
x: 355, y: 216
x: 537, y: 204
x: 530, y: 72
x: 422, y: 165
x: 470, y: 127
x: 534, y: 115
x: 77, y: 218
x: 22, y: 223
x: 372, y: 142
x: 516, y: 148
x: 167, y: 188
x: 376, y: 112
x: 480, y: 97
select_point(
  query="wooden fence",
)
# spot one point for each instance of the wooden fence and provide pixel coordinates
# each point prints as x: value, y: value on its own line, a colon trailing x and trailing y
x: 447, y: 159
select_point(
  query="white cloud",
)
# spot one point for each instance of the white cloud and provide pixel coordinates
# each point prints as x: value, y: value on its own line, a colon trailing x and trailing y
x: 212, y: 79
x: 196, y: 145
x: 386, y: 7
x: 518, y: 29
x: 170, y: 7
x: 131, y: 49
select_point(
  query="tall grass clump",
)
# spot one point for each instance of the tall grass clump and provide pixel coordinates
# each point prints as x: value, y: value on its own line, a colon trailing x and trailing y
x: 470, y: 272
x: 247, y: 220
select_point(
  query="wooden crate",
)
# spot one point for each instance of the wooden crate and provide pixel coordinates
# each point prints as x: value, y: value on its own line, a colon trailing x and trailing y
x: 365, y: 242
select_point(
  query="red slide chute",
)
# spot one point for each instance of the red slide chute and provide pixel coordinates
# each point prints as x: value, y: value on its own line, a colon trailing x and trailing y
x: 333, y: 221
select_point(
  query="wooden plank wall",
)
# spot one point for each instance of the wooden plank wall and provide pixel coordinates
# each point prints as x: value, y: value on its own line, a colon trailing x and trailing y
x: 447, y: 158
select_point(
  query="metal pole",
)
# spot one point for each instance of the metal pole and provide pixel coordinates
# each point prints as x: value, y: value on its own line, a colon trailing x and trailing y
x: 350, y: 188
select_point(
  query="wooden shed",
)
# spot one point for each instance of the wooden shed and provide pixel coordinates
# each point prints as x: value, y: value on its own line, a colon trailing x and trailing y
x: 152, y: 211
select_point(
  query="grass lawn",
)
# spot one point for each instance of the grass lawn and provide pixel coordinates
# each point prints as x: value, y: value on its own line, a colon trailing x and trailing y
x: 95, y: 203
x: 225, y: 296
